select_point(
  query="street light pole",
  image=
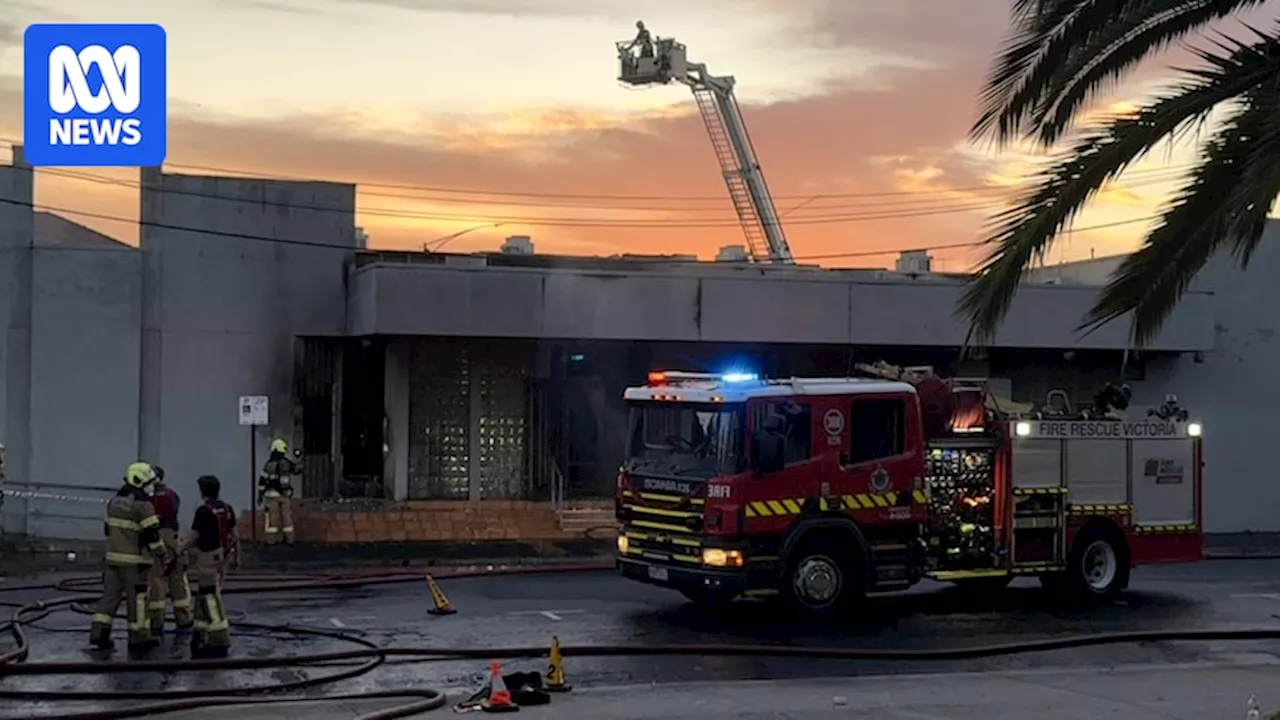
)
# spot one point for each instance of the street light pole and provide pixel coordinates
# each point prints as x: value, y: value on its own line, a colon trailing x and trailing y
x: 442, y: 241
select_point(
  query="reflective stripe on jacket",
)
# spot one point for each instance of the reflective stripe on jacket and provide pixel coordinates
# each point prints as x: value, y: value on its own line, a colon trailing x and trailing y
x: 133, y: 531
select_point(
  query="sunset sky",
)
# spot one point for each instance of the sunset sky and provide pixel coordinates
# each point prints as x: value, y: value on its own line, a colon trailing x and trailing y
x: 857, y: 108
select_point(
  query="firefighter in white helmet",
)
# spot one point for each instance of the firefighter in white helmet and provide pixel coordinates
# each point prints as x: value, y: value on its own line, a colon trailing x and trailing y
x: 275, y: 493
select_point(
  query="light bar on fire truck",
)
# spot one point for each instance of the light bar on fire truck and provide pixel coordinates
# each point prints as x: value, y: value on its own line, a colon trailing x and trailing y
x: 676, y: 378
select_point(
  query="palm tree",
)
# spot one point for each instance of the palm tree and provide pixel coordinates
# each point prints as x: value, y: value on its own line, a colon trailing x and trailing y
x: 1060, y: 53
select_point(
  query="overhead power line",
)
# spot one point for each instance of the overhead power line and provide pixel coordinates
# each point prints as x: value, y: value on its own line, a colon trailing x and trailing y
x: 306, y: 243
x: 510, y: 197
x: 868, y: 214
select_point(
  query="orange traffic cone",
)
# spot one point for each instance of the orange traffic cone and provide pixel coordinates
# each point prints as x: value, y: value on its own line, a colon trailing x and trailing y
x: 440, y: 603
x: 499, y: 697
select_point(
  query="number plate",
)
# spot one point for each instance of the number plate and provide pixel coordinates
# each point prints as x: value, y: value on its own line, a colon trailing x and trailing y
x: 657, y: 573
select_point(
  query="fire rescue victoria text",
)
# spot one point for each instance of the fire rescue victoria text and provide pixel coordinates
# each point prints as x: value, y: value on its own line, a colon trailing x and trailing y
x: 1106, y: 429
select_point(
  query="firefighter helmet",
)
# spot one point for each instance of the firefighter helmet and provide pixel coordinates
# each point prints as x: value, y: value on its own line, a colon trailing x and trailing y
x: 279, y: 446
x: 139, y: 475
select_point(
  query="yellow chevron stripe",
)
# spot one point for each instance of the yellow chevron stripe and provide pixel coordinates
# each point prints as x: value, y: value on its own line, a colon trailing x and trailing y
x: 1163, y: 529
x: 1113, y: 509
x: 795, y: 506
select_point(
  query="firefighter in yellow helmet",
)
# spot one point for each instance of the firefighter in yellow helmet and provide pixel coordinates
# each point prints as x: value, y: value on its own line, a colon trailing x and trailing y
x: 275, y: 493
x: 133, y: 546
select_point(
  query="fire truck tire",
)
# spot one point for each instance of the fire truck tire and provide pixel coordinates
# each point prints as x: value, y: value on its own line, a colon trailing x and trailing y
x: 823, y: 578
x: 1099, y: 568
x: 710, y: 599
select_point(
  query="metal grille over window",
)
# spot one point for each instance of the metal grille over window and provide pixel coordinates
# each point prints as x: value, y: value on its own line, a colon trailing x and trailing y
x: 501, y: 384
x: 439, y: 421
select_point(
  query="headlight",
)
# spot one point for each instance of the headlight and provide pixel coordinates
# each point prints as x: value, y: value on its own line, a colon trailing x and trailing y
x: 1194, y: 429
x: 1022, y: 429
x: 719, y: 557
x: 623, y: 544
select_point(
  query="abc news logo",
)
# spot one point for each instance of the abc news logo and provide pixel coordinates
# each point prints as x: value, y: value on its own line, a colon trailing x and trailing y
x: 69, y: 92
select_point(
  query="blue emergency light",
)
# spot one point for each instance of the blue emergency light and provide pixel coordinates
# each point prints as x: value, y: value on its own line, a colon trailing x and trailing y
x: 739, y: 377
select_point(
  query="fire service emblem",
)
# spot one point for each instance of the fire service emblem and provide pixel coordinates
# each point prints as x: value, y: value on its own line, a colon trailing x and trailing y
x: 879, y: 480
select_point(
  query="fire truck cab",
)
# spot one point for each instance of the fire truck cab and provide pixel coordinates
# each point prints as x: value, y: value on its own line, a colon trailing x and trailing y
x: 824, y: 489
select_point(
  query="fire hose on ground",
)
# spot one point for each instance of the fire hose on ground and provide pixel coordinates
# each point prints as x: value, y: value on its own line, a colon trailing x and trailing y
x: 370, y: 656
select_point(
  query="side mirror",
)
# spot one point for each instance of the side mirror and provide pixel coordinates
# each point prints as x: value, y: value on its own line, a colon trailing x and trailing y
x: 767, y: 455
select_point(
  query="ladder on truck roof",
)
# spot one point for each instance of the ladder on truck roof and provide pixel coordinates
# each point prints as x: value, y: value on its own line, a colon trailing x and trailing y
x: 662, y: 61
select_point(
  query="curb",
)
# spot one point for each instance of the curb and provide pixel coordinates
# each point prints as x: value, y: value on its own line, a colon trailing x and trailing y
x: 1243, y: 555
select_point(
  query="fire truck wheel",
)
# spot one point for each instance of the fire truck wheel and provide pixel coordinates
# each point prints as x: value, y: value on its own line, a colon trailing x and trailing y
x: 822, y: 578
x: 708, y: 598
x: 1099, y: 567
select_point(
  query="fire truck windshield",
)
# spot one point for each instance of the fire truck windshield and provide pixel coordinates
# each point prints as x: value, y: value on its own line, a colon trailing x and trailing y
x: 688, y: 440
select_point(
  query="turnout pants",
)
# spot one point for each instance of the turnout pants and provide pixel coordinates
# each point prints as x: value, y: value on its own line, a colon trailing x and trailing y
x: 173, y: 586
x: 122, y: 584
x: 277, y: 518
x: 213, y: 632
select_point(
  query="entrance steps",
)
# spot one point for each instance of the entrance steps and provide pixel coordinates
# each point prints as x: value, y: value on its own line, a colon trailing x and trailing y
x: 595, y: 517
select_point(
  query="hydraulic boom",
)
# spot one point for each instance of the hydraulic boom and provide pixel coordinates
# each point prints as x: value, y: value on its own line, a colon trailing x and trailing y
x: 649, y: 61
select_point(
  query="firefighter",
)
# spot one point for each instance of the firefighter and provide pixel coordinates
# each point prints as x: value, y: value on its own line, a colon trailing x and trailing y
x: 644, y: 40
x: 214, y: 536
x: 275, y: 493
x: 133, y: 546
x: 171, y: 583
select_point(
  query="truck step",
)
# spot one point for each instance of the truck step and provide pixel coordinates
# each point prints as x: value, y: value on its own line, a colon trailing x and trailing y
x: 892, y: 574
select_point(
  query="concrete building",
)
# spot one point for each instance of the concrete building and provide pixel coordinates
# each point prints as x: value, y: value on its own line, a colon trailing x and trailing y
x: 443, y: 397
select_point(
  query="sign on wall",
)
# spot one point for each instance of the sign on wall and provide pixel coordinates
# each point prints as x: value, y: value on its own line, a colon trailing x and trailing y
x: 254, y: 410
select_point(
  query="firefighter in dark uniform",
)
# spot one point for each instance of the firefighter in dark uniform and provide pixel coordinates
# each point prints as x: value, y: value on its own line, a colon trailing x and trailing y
x: 173, y: 584
x: 214, y: 537
x: 275, y: 493
x: 133, y: 546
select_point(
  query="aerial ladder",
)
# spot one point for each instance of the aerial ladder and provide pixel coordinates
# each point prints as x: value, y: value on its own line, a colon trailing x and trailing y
x: 661, y: 61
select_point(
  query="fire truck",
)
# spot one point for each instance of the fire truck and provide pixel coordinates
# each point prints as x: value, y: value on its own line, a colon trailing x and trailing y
x: 822, y: 490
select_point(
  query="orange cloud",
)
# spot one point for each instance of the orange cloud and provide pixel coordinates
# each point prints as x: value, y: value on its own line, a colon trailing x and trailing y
x: 871, y: 167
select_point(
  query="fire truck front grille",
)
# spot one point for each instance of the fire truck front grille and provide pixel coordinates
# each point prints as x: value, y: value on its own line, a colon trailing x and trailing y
x: 663, y: 528
x: 661, y: 548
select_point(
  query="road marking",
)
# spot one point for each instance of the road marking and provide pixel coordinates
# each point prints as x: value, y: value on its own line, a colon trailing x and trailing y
x: 336, y: 623
x: 1264, y: 596
x: 548, y: 614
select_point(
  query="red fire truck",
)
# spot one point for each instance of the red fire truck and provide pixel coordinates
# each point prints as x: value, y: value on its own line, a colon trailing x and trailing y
x: 824, y: 489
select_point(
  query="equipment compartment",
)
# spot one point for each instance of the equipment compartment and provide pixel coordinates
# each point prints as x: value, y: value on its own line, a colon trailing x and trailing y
x: 960, y: 478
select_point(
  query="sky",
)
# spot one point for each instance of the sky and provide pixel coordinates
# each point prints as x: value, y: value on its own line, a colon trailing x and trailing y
x: 505, y: 117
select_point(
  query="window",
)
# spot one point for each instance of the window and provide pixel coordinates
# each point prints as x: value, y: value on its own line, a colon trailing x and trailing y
x: 877, y: 430
x: 797, y: 426
x: 693, y: 440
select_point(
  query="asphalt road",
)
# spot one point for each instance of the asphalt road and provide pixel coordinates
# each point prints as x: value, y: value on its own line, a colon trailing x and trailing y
x: 601, y: 608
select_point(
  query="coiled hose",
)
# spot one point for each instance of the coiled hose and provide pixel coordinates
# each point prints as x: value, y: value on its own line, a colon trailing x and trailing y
x: 369, y: 656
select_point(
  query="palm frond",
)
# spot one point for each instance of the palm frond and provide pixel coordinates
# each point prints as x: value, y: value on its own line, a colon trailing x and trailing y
x: 1070, y: 49
x: 1224, y: 203
x: 1034, y: 22
x: 1025, y: 231
x: 1116, y: 51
